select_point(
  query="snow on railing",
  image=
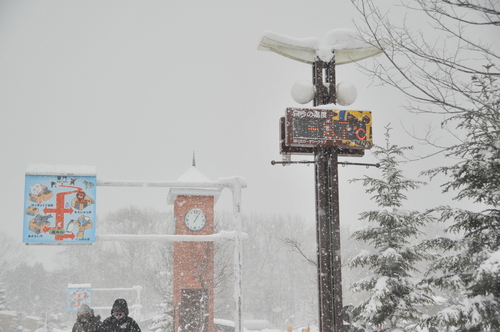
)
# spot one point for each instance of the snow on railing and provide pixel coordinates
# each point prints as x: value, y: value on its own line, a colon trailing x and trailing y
x: 222, y: 235
x: 235, y: 184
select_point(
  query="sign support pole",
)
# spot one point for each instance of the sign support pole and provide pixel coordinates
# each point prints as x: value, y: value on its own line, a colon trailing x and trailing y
x: 327, y: 212
x: 326, y: 159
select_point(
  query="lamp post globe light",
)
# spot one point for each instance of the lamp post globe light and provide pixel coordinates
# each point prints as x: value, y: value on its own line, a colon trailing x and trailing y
x: 316, y: 132
x: 303, y: 91
x: 346, y: 93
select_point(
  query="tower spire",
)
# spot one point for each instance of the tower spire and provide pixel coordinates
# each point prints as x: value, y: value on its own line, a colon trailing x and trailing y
x: 194, y: 160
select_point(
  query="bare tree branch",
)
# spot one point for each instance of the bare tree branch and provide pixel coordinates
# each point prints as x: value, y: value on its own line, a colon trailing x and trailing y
x: 294, y: 245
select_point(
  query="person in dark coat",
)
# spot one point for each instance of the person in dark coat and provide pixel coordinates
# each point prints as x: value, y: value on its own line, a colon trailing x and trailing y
x: 86, y: 321
x: 119, y: 321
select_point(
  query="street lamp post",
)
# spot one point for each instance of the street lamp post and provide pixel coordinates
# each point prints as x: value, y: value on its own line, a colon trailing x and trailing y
x: 326, y: 165
x: 327, y: 210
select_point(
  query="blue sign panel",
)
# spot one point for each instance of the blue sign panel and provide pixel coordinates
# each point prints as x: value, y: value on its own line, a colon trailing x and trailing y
x: 78, y: 295
x: 59, y: 209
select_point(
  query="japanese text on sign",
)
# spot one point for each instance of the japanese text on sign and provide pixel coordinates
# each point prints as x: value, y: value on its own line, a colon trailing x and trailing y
x: 310, y: 127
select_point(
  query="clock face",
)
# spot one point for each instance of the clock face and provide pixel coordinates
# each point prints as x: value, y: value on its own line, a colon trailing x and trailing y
x: 195, y: 220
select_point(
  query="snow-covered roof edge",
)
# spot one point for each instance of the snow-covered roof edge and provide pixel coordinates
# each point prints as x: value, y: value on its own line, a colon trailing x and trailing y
x: 193, y: 175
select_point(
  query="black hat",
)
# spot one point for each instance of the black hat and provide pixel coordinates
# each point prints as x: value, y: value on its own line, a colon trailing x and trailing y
x: 120, y: 305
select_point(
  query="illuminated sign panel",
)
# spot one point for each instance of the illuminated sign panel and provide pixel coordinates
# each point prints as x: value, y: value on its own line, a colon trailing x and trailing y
x: 319, y: 127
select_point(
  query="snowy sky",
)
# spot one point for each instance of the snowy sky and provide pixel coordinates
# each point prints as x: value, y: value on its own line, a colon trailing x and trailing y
x: 134, y: 87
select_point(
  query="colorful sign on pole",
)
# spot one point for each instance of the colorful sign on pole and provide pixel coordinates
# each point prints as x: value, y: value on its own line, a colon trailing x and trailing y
x: 78, y: 295
x: 59, y: 205
x: 328, y: 128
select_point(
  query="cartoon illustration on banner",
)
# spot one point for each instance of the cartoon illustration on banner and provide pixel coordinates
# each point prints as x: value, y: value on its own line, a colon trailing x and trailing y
x: 78, y: 295
x: 59, y: 209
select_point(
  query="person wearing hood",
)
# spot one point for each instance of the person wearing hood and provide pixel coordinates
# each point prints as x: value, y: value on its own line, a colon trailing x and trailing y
x: 119, y: 321
x: 85, y: 320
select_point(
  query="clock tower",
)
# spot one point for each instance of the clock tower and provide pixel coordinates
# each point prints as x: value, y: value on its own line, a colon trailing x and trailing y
x: 193, y: 260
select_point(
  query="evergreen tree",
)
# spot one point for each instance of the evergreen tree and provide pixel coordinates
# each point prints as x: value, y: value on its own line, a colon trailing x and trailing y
x: 3, y: 299
x: 18, y: 323
x: 163, y: 322
x: 395, y: 298
x: 471, y: 265
x: 452, y: 71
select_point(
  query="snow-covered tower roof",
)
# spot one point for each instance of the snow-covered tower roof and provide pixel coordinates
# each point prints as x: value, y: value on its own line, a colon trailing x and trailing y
x: 193, y: 177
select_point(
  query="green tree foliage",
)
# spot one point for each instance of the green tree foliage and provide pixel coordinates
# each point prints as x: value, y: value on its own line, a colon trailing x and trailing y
x: 471, y: 264
x: 395, y: 297
x: 452, y: 70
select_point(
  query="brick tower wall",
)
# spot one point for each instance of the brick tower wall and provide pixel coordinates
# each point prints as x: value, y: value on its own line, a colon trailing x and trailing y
x: 194, y: 261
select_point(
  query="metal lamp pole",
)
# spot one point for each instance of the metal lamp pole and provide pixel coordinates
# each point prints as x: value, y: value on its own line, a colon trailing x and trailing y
x: 327, y: 211
x: 325, y: 160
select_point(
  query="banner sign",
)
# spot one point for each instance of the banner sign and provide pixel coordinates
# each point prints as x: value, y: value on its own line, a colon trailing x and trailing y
x: 78, y: 295
x: 59, y: 207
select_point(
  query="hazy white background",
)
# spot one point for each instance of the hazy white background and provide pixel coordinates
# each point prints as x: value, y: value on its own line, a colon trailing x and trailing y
x: 134, y: 87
